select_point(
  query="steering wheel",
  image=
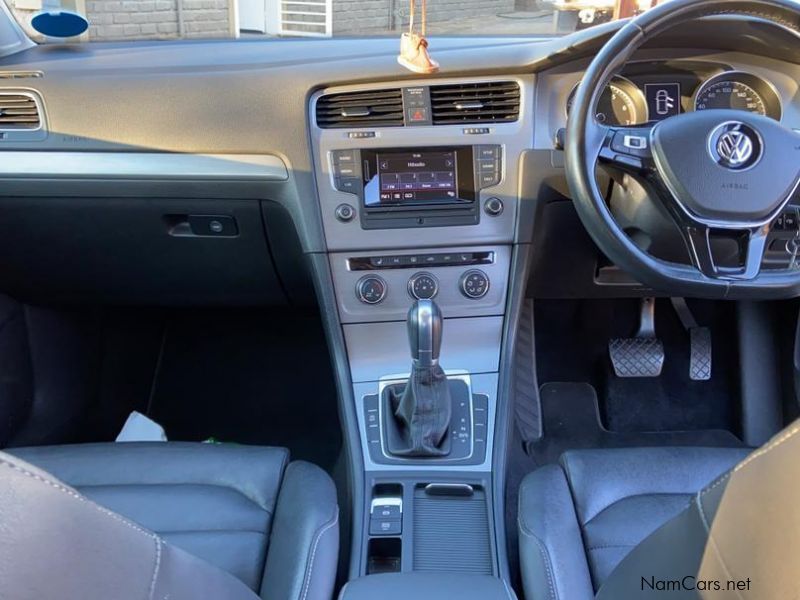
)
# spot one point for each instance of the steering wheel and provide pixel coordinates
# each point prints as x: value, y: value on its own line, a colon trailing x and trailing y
x: 719, y: 173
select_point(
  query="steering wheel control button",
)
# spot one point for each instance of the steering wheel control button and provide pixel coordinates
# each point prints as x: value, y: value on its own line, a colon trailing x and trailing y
x: 493, y: 207
x: 474, y: 284
x: 423, y: 286
x: 371, y: 289
x: 345, y: 213
x: 634, y: 142
x: 735, y: 145
x: 630, y: 143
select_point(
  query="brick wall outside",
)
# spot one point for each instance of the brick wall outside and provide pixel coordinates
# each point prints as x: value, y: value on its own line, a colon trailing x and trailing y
x: 157, y: 19
x: 373, y: 16
x: 111, y: 20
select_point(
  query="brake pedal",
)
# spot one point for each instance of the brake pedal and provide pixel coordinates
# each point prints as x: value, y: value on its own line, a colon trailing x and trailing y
x: 642, y: 355
x: 700, y: 347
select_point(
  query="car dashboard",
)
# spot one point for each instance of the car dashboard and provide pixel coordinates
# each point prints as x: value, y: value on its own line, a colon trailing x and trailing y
x: 301, y: 173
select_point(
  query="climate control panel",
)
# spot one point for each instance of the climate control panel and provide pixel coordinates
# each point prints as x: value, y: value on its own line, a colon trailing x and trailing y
x: 423, y: 286
x: 465, y: 282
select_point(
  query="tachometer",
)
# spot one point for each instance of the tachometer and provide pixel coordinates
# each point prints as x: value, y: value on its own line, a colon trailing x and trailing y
x: 739, y: 91
x: 621, y: 103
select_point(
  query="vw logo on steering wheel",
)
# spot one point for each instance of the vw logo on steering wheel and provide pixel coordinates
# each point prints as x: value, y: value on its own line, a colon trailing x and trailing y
x: 735, y: 145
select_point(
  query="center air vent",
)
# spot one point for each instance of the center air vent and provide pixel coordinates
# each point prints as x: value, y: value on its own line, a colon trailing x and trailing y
x: 378, y: 108
x: 487, y: 102
x: 18, y: 112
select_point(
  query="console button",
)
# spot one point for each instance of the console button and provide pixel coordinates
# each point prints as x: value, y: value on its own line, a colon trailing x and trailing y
x: 487, y: 152
x: 385, y: 527
x: 341, y: 157
x: 487, y: 166
x: 423, y: 286
x: 345, y: 213
x: 351, y: 185
x: 488, y: 179
x: 493, y: 207
x: 474, y: 284
x: 345, y: 170
x: 371, y: 289
x: 386, y: 511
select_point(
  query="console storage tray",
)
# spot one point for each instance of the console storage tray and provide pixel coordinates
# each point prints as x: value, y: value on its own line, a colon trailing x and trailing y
x: 402, y: 586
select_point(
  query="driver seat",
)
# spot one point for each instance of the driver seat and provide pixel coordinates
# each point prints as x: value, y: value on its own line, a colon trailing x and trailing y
x: 601, y: 523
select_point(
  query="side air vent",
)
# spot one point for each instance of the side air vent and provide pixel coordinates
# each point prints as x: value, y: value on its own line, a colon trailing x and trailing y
x: 487, y: 102
x: 378, y: 108
x: 19, y: 112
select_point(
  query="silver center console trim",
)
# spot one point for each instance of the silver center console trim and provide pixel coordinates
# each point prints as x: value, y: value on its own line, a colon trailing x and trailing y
x: 142, y: 165
x: 394, y: 379
x: 482, y: 383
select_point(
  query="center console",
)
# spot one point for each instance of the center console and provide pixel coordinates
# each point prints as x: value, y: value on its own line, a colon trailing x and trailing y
x: 419, y: 209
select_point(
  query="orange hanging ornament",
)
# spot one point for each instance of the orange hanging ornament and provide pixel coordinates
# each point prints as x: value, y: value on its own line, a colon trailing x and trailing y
x: 414, y: 47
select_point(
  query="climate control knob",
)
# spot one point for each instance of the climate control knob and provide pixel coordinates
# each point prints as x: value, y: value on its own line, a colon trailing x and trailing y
x: 474, y: 284
x: 371, y: 289
x: 423, y: 286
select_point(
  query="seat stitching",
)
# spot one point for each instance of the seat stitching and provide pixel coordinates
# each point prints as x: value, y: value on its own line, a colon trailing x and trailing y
x: 643, y: 494
x: 258, y: 505
x: 604, y: 546
x: 757, y: 454
x: 544, y: 554
x: 207, y: 531
x: 699, y: 498
x: 73, y: 494
x: 547, y: 566
x: 310, y: 566
x: 156, y: 569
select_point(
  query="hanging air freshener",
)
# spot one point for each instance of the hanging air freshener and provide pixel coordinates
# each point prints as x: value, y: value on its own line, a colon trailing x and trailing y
x: 414, y: 47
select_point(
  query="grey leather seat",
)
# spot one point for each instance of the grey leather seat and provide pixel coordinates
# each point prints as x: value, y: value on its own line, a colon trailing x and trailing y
x: 240, y: 519
x: 579, y: 519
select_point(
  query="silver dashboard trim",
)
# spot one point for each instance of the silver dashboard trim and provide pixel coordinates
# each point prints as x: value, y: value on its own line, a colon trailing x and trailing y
x: 141, y: 165
x: 459, y: 375
x: 481, y: 383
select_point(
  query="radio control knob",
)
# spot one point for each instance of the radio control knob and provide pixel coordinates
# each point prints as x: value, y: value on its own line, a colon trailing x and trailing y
x: 345, y: 213
x: 423, y: 286
x: 474, y: 284
x: 493, y: 207
x: 371, y: 289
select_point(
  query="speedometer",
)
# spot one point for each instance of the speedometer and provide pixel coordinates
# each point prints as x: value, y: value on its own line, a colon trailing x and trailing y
x: 730, y: 94
x: 739, y: 91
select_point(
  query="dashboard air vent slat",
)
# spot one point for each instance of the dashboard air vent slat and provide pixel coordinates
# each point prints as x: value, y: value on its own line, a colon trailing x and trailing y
x: 378, y: 108
x: 485, y: 102
x: 18, y: 111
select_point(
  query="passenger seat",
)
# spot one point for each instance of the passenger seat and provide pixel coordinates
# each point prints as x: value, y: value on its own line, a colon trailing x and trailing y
x: 270, y: 523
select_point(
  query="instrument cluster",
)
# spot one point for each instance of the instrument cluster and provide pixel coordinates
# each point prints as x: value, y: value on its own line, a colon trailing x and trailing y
x: 636, y: 99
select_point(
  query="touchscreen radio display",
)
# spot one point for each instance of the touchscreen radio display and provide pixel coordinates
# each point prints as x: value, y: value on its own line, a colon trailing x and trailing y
x: 424, y: 177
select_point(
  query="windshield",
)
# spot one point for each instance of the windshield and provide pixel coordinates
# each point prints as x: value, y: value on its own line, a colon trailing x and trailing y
x: 127, y: 20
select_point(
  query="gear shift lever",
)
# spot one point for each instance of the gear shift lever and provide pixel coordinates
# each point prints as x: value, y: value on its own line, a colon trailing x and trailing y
x: 425, y: 333
x: 422, y: 412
